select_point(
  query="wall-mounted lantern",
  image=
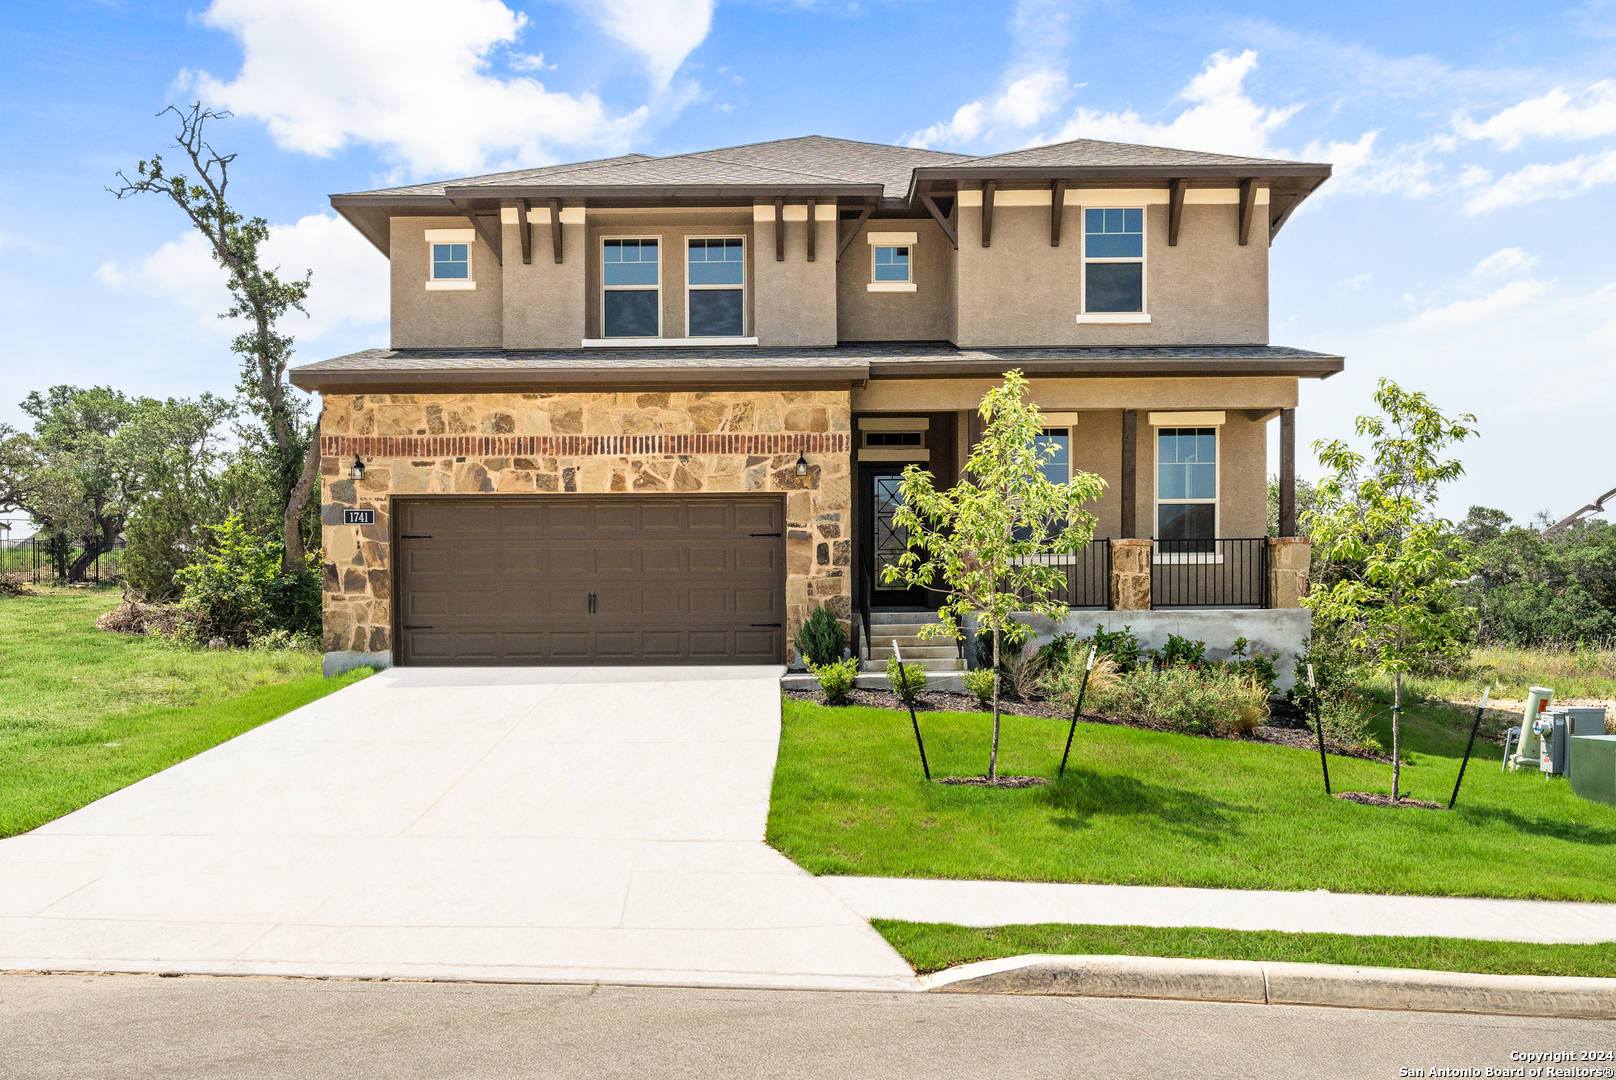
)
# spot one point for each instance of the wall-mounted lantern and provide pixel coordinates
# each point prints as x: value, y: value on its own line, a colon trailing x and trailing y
x: 802, y: 465
x: 358, y: 469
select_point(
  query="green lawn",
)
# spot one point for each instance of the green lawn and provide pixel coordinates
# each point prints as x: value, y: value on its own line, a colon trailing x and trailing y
x: 1148, y: 808
x: 932, y: 947
x: 70, y: 690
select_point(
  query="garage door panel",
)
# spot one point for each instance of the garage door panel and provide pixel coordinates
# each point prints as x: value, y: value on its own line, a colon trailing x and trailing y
x: 509, y: 579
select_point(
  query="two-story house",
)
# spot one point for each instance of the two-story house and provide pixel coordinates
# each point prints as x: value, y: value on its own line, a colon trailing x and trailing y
x: 652, y: 410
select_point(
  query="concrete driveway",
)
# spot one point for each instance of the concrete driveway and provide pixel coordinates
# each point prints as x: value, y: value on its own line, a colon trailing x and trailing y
x: 526, y: 824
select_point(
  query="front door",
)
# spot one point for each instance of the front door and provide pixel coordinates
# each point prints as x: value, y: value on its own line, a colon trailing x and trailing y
x: 885, y: 541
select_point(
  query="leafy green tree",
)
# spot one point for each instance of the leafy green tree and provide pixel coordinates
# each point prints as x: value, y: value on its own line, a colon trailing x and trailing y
x: 1395, y: 559
x: 259, y: 296
x: 178, y: 442
x: 1532, y: 589
x: 989, y: 538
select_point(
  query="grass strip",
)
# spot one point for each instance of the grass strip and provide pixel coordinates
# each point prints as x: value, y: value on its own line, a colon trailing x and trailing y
x: 930, y: 947
x: 52, y: 773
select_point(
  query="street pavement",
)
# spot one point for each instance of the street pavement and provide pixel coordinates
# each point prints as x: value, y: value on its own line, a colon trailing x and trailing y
x: 87, y: 1027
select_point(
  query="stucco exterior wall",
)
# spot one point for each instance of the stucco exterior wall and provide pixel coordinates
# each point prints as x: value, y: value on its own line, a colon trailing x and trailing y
x: 1097, y: 448
x: 796, y: 299
x: 544, y: 301
x: 467, y: 319
x: 587, y: 443
x: 1207, y: 290
x: 671, y: 228
x: 923, y: 315
x: 1242, y: 477
x: 1065, y: 395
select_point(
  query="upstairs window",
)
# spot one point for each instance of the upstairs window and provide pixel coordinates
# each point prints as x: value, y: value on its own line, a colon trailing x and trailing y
x: 631, y: 276
x: 1186, y: 489
x: 451, y: 262
x: 1113, y: 260
x: 891, y: 263
x: 715, y: 296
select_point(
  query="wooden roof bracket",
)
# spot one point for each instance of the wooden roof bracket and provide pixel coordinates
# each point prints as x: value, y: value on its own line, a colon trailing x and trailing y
x: 1175, y: 210
x: 489, y: 237
x: 555, y: 228
x: 842, y: 244
x: 524, y: 230
x: 1057, y: 212
x: 779, y: 228
x: 811, y: 228
x: 988, y: 188
x: 938, y: 216
x: 1248, y: 206
x: 1277, y: 223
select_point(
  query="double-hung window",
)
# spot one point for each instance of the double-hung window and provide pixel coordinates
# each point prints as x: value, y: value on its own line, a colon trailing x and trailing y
x: 1186, y: 489
x: 1113, y: 261
x: 631, y: 279
x: 715, y: 292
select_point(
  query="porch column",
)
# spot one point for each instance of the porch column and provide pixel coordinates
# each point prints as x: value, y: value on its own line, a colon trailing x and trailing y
x: 1130, y: 466
x: 1287, y: 472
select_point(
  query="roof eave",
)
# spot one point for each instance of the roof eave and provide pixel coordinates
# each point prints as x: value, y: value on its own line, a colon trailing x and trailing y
x: 1321, y: 367
x: 517, y: 380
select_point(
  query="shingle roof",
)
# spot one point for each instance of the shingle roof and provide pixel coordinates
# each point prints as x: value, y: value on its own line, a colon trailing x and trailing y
x: 1092, y: 152
x: 515, y: 176
x: 538, y: 367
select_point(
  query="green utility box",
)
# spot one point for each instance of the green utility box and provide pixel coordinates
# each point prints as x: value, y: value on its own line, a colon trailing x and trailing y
x: 1593, y: 767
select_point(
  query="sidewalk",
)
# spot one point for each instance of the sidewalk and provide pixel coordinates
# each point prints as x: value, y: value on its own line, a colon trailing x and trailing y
x: 1002, y: 903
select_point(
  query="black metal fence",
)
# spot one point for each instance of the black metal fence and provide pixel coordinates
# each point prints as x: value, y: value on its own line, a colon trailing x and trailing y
x: 1088, y: 576
x: 1209, y: 573
x: 41, y: 558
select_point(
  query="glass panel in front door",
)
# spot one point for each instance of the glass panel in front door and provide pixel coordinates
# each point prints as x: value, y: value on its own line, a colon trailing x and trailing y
x: 891, y: 539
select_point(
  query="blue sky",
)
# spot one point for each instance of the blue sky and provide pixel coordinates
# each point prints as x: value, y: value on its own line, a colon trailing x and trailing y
x: 1464, y: 247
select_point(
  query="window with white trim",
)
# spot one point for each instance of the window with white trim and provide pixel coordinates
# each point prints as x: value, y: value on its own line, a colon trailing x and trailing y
x: 715, y: 287
x: 1057, y: 469
x: 631, y: 293
x: 451, y: 262
x: 448, y: 259
x: 1186, y: 489
x: 1113, y: 260
x: 892, y: 261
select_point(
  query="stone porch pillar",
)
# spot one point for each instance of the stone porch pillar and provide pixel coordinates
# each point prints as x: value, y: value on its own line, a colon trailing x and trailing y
x: 1289, y: 558
x: 1130, y: 575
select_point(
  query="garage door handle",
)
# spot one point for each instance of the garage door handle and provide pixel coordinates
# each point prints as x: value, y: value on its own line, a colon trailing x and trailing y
x: 418, y: 628
x: 763, y: 534
x: 409, y: 537
x: 591, y: 603
x: 765, y: 624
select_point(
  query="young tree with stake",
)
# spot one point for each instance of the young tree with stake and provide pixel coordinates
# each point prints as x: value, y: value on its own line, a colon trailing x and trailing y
x: 989, y: 537
x: 1394, y: 560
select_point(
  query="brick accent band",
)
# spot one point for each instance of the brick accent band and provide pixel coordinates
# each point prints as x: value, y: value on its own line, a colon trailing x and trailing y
x: 429, y: 446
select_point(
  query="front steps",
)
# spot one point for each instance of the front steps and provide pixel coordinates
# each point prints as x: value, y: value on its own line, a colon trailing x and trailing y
x: 938, y: 657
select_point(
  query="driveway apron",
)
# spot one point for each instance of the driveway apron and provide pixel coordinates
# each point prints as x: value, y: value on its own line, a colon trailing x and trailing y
x: 537, y: 824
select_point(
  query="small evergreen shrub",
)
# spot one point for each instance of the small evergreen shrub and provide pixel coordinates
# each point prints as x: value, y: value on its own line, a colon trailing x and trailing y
x: 1120, y: 645
x: 820, y: 640
x: 906, y: 680
x: 836, y: 678
x: 979, y: 681
x: 1181, y: 651
x: 1195, y: 701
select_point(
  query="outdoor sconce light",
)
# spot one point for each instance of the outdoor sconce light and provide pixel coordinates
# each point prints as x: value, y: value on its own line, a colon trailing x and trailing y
x: 802, y: 465
x: 358, y: 469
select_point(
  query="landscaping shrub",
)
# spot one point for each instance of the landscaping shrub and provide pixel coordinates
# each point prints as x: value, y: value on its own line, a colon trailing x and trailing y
x: 1181, y: 651
x: 1008, y: 649
x: 237, y: 592
x: 1059, y: 650
x: 836, y: 678
x: 1061, y: 684
x: 1120, y: 645
x: 1196, y: 701
x: 1259, y: 666
x: 820, y: 641
x: 1344, y: 714
x: 906, y: 680
x: 979, y: 681
x: 293, y: 602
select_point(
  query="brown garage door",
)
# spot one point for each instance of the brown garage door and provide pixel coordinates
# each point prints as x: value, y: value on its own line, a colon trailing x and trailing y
x: 578, y: 579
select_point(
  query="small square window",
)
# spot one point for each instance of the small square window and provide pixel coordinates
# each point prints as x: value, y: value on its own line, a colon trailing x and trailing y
x: 891, y: 264
x: 451, y: 262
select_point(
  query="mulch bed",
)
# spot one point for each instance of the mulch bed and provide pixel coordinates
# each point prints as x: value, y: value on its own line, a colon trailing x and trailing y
x: 1286, y: 726
x: 1374, y: 798
x: 1003, y: 781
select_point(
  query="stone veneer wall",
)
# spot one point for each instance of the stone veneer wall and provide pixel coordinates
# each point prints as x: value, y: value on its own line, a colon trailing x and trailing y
x: 420, y: 444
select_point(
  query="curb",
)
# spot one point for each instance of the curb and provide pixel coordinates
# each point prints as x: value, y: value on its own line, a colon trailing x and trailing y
x: 1253, y: 982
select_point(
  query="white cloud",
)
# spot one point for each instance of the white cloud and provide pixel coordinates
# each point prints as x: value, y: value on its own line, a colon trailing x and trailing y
x: 1223, y: 118
x: 664, y: 32
x: 1358, y: 281
x: 1466, y: 313
x: 1505, y: 262
x: 1537, y: 182
x: 1033, y: 87
x: 408, y: 76
x: 349, y: 288
x: 1556, y: 114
